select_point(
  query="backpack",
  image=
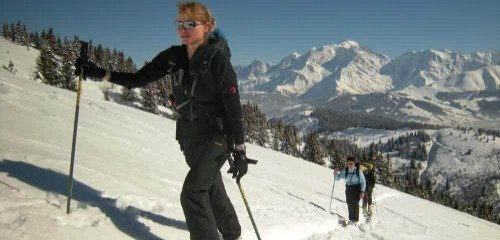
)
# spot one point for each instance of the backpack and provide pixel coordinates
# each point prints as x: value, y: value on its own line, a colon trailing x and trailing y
x: 371, y: 178
x: 357, y: 170
x: 219, y: 41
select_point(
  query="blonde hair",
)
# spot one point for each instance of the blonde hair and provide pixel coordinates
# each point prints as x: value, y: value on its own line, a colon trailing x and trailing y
x: 197, y: 12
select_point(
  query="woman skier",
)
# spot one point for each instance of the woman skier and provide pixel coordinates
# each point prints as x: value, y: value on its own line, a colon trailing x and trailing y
x: 355, y: 187
x: 206, y: 98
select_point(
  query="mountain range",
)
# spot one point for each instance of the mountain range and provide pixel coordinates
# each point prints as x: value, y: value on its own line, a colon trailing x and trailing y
x: 433, y: 86
x: 352, y: 68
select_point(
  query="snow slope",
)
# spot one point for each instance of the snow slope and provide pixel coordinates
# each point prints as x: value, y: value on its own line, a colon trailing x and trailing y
x: 22, y: 57
x: 129, y: 173
x: 468, y: 175
x: 486, y: 78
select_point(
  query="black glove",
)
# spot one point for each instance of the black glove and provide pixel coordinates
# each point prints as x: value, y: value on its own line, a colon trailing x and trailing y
x: 240, y: 165
x: 89, y: 69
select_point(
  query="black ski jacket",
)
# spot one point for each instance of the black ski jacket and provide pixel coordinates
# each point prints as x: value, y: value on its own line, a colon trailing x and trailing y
x: 370, y: 179
x: 225, y: 98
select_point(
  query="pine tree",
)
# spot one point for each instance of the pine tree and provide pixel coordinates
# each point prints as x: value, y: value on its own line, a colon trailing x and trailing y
x: 277, y: 135
x: 252, y: 123
x: 130, y: 66
x: 47, y: 66
x: 149, y: 99
x: 129, y: 95
x: 12, y: 33
x: 336, y: 155
x: 121, y: 63
x: 6, y: 33
x: 25, y: 37
x: 260, y: 128
x: 98, y: 56
x: 287, y: 145
x: 109, y: 61
x: 35, y: 40
x: 163, y: 86
x: 313, y: 149
x: 297, y: 142
x: 372, y: 152
x: 384, y: 167
x: 68, y: 60
x: 18, y: 33
x: 51, y: 40
x: 59, y: 47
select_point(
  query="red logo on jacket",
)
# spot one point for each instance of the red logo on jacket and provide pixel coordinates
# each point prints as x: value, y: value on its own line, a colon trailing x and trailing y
x: 233, y: 90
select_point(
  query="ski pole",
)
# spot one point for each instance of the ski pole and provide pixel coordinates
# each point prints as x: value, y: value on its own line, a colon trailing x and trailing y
x: 250, y: 161
x: 83, y: 56
x: 375, y: 201
x: 249, y: 212
x: 331, y: 197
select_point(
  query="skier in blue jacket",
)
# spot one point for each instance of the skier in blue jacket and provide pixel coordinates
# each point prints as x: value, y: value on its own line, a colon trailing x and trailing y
x: 355, y: 187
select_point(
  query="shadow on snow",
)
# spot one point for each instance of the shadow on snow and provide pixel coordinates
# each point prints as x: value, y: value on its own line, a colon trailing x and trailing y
x: 126, y: 220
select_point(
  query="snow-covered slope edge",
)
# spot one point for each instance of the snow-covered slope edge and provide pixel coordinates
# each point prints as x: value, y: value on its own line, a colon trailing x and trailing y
x: 129, y: 174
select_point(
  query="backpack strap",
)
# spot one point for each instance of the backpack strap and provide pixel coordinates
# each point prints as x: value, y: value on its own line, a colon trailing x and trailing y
x: 347, y: 171
x: 206, y: 68
x: 204, y: 72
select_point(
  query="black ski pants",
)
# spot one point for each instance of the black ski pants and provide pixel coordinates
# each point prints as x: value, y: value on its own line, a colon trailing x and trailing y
x: 352, y: 196
x: 204, y: 200
x: 368, y: 196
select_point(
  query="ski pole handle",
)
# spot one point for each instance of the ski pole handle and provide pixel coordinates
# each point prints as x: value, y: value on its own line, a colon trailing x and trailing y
x: 251, y: 161
x: 84, y: 46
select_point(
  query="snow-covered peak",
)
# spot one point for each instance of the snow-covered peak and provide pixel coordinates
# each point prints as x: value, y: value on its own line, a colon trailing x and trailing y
x: 350, y: 67
x: 251, y: 73
x: 347, y: 67
x: 349, y: 44
x: 428, y: 67
x: 295, y: 55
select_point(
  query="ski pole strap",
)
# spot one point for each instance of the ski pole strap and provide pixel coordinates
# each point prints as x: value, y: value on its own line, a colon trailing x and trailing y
x: 192, y: 116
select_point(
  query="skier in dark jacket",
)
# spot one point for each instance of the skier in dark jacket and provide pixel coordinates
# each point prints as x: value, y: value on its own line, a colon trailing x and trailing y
x: 205, y: 95
x: 370, y: 184
x: 355, y: 187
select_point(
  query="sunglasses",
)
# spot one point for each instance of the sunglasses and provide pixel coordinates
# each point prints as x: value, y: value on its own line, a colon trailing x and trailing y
x: 188, y: 25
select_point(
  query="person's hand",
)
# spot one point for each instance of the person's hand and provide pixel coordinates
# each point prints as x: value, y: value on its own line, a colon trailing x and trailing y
x: 89, y: 70
x: 361, y: 195
x: 240, y: 164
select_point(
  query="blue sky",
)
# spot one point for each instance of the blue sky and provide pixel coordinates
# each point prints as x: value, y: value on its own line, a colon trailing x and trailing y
x: 269, y: 30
